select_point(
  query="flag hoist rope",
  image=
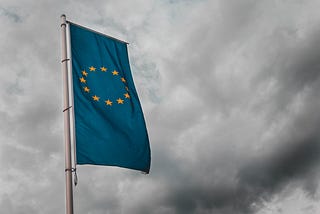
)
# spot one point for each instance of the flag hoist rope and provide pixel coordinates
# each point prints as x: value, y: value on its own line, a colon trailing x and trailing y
x: 66, y: 114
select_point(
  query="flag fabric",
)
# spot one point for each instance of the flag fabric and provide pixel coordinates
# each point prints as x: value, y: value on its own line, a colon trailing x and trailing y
x: 109, y: 122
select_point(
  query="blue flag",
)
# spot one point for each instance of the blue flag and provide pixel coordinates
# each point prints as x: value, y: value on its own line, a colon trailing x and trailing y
x: 109, y: 123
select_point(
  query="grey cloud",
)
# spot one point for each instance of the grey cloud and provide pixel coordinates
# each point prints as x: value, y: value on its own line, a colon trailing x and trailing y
x: 229, y: 89
x: 265, y: 176
x: 11, y: 14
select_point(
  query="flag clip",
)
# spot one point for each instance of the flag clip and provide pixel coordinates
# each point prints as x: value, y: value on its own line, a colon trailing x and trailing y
x: 75, y: 177
x: 75, y: 174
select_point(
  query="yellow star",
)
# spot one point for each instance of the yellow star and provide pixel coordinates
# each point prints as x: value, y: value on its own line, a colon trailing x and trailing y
x: 104, y: 69
x: 83, y: 80
x: 84, y: 73
x: 108, y: 102
x: 95, y: 98
x: 123, y: 79
x: 92, y: 68
x: 115, y: 72
x: 86, y: 89
x: 126, y: 95
x: 120, y: 101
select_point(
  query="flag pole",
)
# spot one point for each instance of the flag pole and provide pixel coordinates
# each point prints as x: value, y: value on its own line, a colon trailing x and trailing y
x: 66, y: 114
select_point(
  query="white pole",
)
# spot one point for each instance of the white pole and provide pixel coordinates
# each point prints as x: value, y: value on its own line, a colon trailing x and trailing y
x: 66, y: 114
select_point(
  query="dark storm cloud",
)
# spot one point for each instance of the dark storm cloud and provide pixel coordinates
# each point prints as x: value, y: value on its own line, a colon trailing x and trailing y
x: 293, y: 159
x: 229, y: 91
x: 293, y: 152
x: 267, y: 175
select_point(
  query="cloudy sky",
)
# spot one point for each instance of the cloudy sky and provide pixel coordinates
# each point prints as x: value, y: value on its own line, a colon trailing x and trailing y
x: 230, y: 92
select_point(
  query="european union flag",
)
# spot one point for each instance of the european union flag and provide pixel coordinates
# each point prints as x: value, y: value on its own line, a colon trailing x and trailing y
x: 109, y: 123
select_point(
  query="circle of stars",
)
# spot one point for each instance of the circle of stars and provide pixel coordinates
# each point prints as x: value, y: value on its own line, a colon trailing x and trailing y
x: 95, y: 97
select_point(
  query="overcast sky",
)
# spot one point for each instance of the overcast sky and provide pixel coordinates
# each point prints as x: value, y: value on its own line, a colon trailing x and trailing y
x: 230, y: 93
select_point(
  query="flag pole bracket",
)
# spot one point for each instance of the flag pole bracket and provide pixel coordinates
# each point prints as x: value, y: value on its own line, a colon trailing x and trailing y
x: 64, y: 60
x: 71, y: 170
x: 66, y: 109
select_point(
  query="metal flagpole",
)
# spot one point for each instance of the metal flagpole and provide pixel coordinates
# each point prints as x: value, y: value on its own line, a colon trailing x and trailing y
x: 66, y: 114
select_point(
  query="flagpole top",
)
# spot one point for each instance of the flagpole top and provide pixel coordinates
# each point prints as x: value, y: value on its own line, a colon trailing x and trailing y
x: 63, y: 20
